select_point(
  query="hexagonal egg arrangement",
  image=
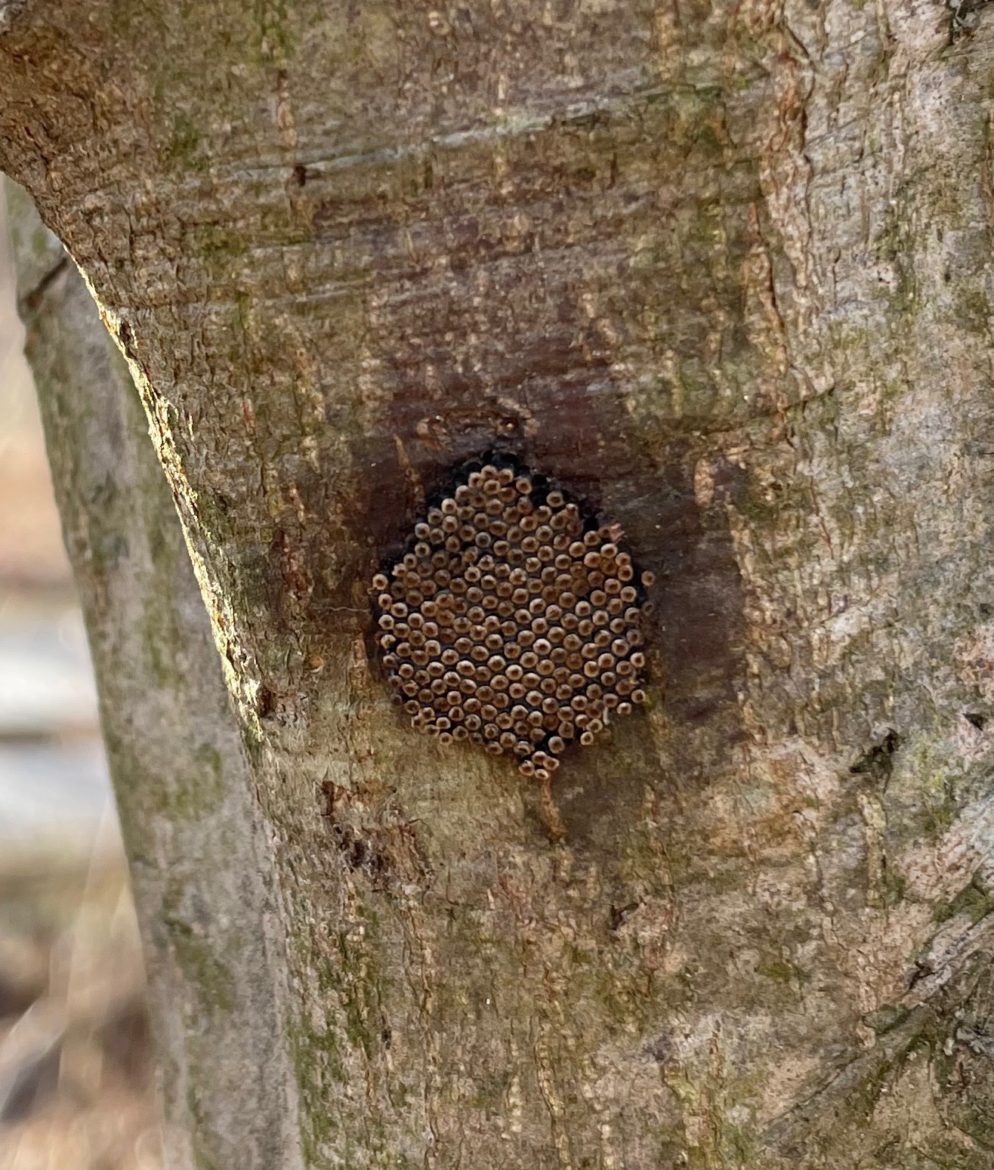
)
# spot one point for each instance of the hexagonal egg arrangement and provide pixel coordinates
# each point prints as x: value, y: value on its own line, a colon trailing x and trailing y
x: 514, y: 619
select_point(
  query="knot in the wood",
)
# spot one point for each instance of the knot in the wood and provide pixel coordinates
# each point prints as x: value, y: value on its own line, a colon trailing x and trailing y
x: 513, y: 620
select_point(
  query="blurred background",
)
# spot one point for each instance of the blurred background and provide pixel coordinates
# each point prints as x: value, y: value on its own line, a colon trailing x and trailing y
x: 76, y: 1079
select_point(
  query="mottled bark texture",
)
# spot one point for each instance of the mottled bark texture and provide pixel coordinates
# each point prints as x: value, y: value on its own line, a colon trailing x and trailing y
x: 200, y: 859
x: 723, y: 268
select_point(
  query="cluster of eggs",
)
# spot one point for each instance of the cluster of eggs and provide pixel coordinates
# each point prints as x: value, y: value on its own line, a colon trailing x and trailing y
x: 513, y: 620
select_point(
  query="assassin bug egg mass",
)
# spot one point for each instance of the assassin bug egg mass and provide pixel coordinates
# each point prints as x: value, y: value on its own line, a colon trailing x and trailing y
x: 514, y: 619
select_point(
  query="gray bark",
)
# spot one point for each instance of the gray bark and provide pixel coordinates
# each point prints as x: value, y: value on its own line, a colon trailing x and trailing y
x: 724, y: 269
x: 200, y: 858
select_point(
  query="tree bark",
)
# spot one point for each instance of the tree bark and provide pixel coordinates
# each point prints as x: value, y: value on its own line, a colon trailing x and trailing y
x: 725, y: 271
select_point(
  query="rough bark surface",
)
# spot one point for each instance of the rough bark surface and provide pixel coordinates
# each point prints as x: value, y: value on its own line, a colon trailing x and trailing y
x: 725, y: 270
x: 200, y: 858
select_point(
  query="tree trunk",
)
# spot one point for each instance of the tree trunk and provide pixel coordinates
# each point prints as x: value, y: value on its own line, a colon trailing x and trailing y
x: 724, y: 270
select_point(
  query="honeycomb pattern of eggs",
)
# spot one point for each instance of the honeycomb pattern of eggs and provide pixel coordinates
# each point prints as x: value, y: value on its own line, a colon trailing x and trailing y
x: 513, y: 620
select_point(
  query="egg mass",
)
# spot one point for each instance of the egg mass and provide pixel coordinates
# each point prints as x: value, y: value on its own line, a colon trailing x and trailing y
x: 508, y: 585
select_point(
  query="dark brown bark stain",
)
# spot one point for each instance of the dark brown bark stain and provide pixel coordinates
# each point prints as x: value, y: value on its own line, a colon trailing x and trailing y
x: 564, y: 418
x: 532, y: 373
x: 504, y: 318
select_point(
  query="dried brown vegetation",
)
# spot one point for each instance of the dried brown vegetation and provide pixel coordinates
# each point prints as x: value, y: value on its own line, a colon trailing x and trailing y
x: 76, y: 1083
